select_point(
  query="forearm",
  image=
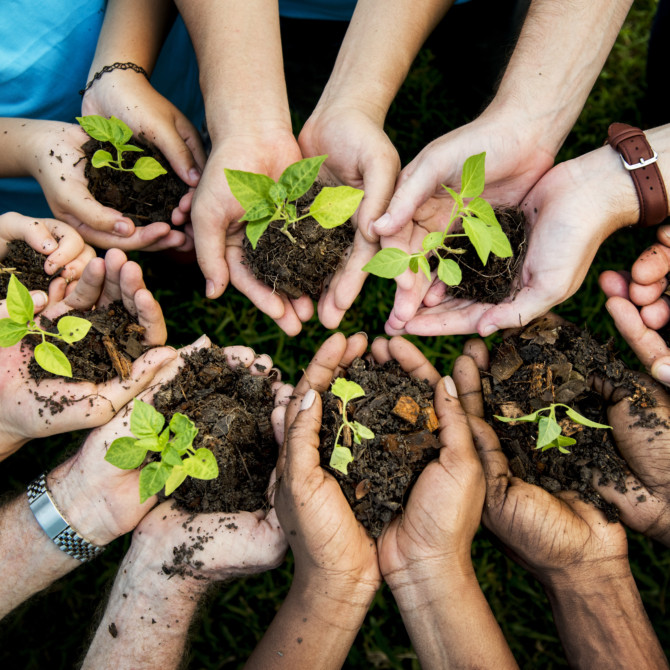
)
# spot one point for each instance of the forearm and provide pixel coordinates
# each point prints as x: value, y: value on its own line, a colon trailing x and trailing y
x: 382, y: 40
x: 560, y: 53
x: 315, y: 626
x: 449, y: 621
x: 238, y: 46
x: 604, y: 618
x: 16, y: 144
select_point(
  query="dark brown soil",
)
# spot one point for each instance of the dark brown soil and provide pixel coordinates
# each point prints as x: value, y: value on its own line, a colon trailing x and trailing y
x: 493, y: 282
x: 385, y: 468
x: 231, y: 409
x: 301, y: 267
x: 142, y: 201
x: 108, y: 350
x: 28, y: 266
x: 546, y: 364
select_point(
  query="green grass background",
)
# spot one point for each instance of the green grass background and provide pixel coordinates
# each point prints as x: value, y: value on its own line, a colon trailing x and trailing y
x: 52, y: 630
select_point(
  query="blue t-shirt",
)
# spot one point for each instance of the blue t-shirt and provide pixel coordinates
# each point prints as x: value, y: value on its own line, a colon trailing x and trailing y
x: 328, y: 10
x: 46, y: 50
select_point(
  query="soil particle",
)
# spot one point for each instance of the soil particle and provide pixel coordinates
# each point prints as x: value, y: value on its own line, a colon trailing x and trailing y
x: 142, y: 201
x: 28, y: 266
x: 384, y: 468
x: 231, y: 409
x: 302, y: 267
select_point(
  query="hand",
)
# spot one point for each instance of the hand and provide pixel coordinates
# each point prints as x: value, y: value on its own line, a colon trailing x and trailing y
x: 54, y: 159
x: 648, y: 345
x: 361, y: 155
x: 26, y: 413
x: 569, y: 214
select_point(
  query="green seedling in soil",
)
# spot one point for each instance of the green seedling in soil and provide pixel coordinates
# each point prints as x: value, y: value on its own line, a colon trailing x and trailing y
x: 480, y: 226
x: 549, y: 432
x: 21, y: 322
x: 117, y: 133
x: 174, y: 443
x: 265, y: 200
x: 346, y: 391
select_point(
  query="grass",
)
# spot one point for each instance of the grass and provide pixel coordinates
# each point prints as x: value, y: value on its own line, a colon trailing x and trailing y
x: 52, y: 629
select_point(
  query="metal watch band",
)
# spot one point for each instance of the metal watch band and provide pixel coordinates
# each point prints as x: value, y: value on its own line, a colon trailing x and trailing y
x: 640, y: 160
x: 55, y: 525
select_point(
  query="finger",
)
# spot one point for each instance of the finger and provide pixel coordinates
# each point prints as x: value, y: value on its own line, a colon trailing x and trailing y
x: 614, y: 284
x: 283, y: 395
x: 115, y: 259
x: 303, y: 308
x: 494, y: 462
x: 413, y: 361
x: 408, y: 300
x: 468, y: 382
x: 150, y: 317
x: 647, y: 294
x: 89, y: 287
x: 261, y: 365
x: 70, y: 245
x: 652, y: 265
x: 436, y: 294
x: 356, y: 346
x: 478, y: 351
x: 657, y: 315
x: 182, y: 213
x: 302, y: 444
x: 40, y: 300
x: 210, y: 248
x: 379, y: 177
x: 176, y: 142
x: 153, y: 237
x: 528, y: 304
x: 452, y: 317
x: 380, y: 350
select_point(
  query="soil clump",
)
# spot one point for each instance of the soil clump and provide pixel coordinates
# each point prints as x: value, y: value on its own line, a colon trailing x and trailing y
x: 28, y: 266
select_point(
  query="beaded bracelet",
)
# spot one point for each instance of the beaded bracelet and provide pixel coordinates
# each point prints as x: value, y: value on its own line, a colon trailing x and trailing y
x: 114, y: 66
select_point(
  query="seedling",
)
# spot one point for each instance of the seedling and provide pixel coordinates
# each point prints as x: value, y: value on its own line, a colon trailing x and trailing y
x: 346, y: 390
x: 117, y: 133
x: 480, y: 226
x: 21, y: 322
x: 549, y: 432
x: 265, y: 200
x: 175, y: 444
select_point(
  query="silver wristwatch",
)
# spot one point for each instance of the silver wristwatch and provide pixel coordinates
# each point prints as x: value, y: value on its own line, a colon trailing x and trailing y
x: 53, y: 523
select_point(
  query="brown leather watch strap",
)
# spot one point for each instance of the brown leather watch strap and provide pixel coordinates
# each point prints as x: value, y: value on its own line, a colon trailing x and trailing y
x: 640, y: 160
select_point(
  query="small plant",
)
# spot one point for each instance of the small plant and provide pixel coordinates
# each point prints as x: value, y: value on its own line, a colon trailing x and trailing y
x: 175, y: 444
x: 480, y: 226
x: 265, y: 200
x: 346, y: 390
x: 21, y: 322
x: 117, y: 133
x: 549, y: 432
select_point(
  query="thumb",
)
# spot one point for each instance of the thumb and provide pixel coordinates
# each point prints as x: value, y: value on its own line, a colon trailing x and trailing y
x: 378, y: 181
x: 302, y: 446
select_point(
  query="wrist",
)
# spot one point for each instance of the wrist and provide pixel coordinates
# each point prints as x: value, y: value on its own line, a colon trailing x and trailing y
x: 605, y: 576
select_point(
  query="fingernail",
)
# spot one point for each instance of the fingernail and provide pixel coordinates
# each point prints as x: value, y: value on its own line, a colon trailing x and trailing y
x: 209, y: 288
x: 607, y: 307
x: 488, y: 330
x: 40, y: 298
x: 381, y: 224
x: 663, y: 373
x: 308, y: 399
x: 49, y: 245
x: 122, y: 228
x: 193, y: 174
x: 200, y: 341
x: 362, y: 332
x: 450, y: 386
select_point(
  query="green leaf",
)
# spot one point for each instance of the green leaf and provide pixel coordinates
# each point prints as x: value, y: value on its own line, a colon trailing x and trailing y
x: 175, y: 480
x: 125, y: 454
x: 480, y: 236
x: 548, y: 430
x: 278, y: 193
x: 130, y: 147
x: 249, y: 188
x: 11, y: 332
x: 362, y: 431
x: 255, y: 229
x: 202, y: 465
x: 432, y: 240
x: 72, y: 328
x: 414, y: 264
x: 449, y: 272
x: 472, y: 178
x: 500, y: 245
x: 482, y: 210
x: 562, y: 442
x: 145, y: 421
x: 456, y: 196
x: 184, y: 432
x: 297, y: 178
x: 151, y: 443
x: 102, y: 158
x: 340, y: 459
x: 19, y: 303
x: 582, y: 420
x: 163, y: 439
x: 259, y: 211
x: 52, y: 359
x: 148, y: 168
x: 98, y: 127
x: 171, y: 456
x: 121, y: 132
x: 388, y: 263
x: 425, y: 266
x: 291, y: 211
x: 333, y: 206
x: 346, y: 390
x: 152, y: 478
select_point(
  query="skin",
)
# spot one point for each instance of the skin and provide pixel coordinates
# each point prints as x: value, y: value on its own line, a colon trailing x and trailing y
x: 90, y: 405
x: 580, y: 559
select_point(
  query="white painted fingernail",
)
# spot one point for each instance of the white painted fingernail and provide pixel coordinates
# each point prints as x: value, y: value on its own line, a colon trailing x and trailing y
x: 200, y: 341
x: 209, y: 288
x: 450, y: 386
x: 308, y: 400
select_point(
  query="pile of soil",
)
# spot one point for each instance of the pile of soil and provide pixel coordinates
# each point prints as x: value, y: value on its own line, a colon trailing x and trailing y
x: 545, y: 364
x: 142, y: 201
x: 493, y: 282
x: 399, y: 410
x: 231, y: 409
x: 28, y: 266
x: 108, y: 350
x: 302, y: 267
